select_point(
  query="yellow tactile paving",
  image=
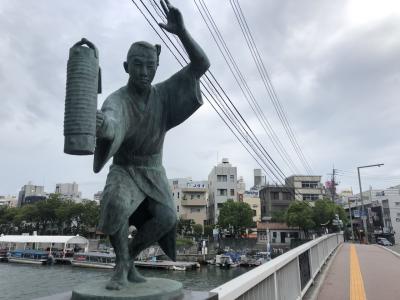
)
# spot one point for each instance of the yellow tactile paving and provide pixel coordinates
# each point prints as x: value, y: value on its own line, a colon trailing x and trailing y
x: 357, y: 291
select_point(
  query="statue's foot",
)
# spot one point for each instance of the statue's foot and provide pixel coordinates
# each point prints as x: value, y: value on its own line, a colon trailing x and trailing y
x: 114, y: 285
x: 118, y: 281
x: 135, y: 276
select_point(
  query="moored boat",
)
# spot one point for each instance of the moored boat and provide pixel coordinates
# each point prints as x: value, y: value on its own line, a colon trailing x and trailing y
x: 3, y: 255
x: 97, y: 260
x: 30, y: 257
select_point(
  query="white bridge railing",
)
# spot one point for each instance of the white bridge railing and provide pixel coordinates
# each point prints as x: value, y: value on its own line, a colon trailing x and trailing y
x: 287, y: 276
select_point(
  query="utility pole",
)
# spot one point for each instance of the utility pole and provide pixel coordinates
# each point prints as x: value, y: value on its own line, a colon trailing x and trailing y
x: 333, y: 184
x: 333, y: 187
x: 351, y: 220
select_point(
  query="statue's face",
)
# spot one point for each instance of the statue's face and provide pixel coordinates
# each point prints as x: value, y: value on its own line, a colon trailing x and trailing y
x: 142, y: 66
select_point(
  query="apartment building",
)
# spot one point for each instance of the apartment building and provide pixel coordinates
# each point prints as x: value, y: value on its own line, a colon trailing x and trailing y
x: 222, y: 185
x: 306, y: 187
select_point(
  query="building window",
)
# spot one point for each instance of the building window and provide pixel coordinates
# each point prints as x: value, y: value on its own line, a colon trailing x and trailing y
x: 195, y: 210
x: 309, y: 184
x: 177, y: 208
x: 175, y: 182
x: 232, y: 178
x: 254, y: 212
x: 310, y: 197
x: 198, y: 196
x: 178, y: 195
x: 275, y: 195
x: 286, y: 196
x: 222, y: 178
x: 232, y: 192
x: 219, y: 205
x: 222, y: 192
x: 191, y: 197
x: 397, y: 203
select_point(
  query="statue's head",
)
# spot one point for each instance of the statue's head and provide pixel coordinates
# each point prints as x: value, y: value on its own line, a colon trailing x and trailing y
x: 141, y: 63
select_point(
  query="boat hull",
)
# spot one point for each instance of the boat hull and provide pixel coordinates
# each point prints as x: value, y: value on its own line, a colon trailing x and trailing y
x: 92, y: 265
x: 27, y: 261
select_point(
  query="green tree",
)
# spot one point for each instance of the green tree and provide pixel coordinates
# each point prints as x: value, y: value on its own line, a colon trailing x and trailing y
x: 208, y: 230
x: 279, y: 216
x: 342, y: 215
x: 235, y: 217
x: 197, y: 230
x: 323, y: 213
x: 300, y: 214
x: 185, y: 226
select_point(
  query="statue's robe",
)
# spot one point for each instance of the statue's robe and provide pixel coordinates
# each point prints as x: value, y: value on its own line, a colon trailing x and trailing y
x: 139, y: 130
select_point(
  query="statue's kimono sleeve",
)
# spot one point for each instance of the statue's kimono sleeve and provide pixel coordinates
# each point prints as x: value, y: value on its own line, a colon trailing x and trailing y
x: 183, y: 96
x: 115, y: 126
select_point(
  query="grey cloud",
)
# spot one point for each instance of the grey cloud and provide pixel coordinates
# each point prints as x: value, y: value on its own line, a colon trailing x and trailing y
x: 339, y: 85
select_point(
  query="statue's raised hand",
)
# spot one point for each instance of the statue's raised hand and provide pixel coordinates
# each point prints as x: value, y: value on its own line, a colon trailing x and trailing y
x: 175, y: 23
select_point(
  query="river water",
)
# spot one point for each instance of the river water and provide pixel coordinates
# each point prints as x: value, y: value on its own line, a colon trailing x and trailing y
x: 18, y: 281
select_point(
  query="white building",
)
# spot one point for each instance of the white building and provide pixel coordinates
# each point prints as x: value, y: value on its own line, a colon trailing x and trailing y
x: 190, y: 198
x: 30, y: 193
x: 222, y: 185
x: 9, y: 201
x: 259, y: 179
x: 69, y: 191
x: 97, y: 196
x: 389, y: 201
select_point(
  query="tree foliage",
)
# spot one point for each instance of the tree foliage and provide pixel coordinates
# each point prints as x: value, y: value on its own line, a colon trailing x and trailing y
x: 300, y: 214
x: 235, y: 217
x: 197, y: 230
x: 324, y: 212
x: 185, y: 227
x: 279, y: 216
x: 50, y: 216
x: 208, y: 230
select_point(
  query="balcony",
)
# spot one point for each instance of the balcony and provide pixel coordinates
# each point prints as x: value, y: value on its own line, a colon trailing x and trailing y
x: 193, y: 202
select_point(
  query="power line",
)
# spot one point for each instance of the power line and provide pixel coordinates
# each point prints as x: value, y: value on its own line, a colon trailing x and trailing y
x: 268, y: 84
x: 229, y: 117
x: 241, y: 81
x: 246, y: 139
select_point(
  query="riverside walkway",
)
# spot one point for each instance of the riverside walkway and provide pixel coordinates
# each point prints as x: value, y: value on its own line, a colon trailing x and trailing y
x: 360, y: 272
x: 322, y: 269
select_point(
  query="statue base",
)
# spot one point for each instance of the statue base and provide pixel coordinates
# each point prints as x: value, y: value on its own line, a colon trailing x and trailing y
x: 152, y: 289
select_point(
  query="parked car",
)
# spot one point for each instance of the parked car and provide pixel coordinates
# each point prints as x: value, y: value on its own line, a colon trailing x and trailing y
x: 383, y: 242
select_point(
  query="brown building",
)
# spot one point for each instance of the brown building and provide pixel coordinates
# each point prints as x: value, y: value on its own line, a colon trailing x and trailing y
x: 193, y: 204
x: 275, y: 198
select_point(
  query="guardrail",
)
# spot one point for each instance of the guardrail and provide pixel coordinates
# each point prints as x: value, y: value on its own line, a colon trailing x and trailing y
x: 287, y: 276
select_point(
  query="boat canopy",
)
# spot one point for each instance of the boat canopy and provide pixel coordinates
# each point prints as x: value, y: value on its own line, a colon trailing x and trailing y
x: 62, y: 239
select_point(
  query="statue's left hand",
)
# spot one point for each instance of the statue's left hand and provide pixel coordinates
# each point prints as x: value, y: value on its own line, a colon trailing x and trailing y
x: 175, y: 23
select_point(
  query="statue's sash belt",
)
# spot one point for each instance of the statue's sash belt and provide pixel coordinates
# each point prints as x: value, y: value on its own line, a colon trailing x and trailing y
x: 151, y: 161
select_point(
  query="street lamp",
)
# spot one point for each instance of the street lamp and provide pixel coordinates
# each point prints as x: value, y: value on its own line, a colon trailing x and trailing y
x: 363, y: 214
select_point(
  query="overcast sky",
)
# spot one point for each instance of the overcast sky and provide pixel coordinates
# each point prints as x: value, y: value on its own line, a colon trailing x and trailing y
x: 335, y: 66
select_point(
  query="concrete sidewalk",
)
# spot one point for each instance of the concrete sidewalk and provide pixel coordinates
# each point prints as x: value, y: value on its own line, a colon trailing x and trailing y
x: 361, y: 272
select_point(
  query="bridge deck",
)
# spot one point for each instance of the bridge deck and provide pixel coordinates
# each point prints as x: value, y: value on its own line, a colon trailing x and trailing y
x: 360, y: 272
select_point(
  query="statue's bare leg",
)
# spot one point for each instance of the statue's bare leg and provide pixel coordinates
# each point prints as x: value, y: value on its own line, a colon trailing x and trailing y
x: 119, y: 241
x: 161, y: 222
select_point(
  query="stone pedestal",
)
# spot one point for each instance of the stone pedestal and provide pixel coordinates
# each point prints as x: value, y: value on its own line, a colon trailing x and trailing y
x: 152, y: 289
x: 187, y: 295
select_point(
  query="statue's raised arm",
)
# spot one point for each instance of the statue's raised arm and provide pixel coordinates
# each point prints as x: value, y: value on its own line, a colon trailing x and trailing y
x: 199, y: 60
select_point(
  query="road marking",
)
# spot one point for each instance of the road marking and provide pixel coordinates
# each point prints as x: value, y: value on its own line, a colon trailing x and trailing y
x: 357, y: 291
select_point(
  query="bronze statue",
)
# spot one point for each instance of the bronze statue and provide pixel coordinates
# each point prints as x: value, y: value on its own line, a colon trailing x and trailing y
x: 131, y: 127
